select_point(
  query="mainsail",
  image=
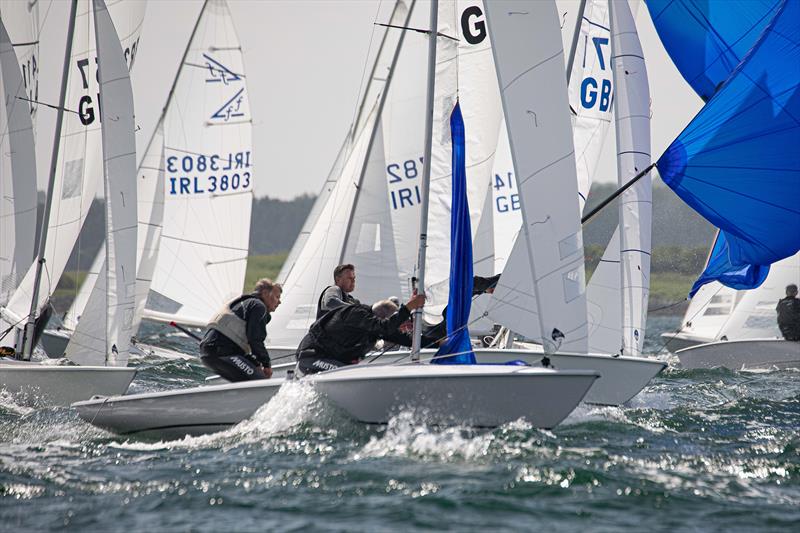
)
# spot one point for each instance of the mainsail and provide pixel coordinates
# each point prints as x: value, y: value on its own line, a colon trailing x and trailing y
x: 79, y: 165
x: 209, y: 177
x: 21, y: 20
x: 17, y: 174
x: 104, y: 334
x: 540, y: 294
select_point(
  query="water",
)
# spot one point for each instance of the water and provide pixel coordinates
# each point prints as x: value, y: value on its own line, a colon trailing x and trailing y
x: 696, y: 450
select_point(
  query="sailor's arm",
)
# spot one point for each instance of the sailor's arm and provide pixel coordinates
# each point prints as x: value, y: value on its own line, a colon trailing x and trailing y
x: 257, y: 333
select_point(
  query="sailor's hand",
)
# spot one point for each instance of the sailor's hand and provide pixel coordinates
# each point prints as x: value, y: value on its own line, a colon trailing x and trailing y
x: 416, y: 301
x: 267, y: 371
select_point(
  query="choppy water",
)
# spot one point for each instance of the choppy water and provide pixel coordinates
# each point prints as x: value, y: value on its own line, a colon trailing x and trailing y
x: 697, y: 450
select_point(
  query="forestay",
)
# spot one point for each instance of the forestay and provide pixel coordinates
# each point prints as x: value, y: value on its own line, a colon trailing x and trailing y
x: 209, y: 178
x: 79, y: 165
x: 17, y: 174
x: 541, y: 293
x: 104, y: 333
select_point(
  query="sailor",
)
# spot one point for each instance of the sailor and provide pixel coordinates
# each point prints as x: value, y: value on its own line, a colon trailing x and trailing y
x: 343, y: 336
x: 789, y: 314
x: 233, y: 345
x: 338, y: 294
x: 480, y: 285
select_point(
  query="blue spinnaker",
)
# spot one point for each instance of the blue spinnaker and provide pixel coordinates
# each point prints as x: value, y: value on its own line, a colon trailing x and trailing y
x: 460, y: 298
x: 707, y: 39
x: 719, y: 268
x: 737, y: 163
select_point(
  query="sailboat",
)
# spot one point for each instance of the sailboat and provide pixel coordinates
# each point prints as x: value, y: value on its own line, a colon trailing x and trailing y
x: 106, y: 338
x: 744, y: 126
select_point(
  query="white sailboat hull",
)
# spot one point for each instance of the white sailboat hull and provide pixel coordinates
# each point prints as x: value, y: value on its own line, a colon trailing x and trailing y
x: 63, y: 385
x: 621, y: 378
x: 743, y: 354
x: 475, y: 395
x: 176, y: 413
x: 681, y: 340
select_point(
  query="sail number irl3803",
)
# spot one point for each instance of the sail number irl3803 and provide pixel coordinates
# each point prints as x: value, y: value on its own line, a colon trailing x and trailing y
x: 202, y: 174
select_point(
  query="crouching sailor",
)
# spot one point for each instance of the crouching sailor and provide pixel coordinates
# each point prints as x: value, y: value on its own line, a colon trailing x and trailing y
x: 233, y: 345
x: 343, y: 336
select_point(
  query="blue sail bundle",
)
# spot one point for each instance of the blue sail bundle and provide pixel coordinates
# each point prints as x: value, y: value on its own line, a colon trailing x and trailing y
x: 737, y: 163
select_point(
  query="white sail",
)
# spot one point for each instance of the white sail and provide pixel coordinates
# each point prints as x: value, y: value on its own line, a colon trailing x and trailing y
x: 17, y: 174
x: 604, y: 302
x: 591, y: 91
x: 73, y: 314
x: 505, y: 207
x: 104, y: 333
x: 708, y: 311
x: 754, y: 315
x: 209, y: 178
x: 632, y: 115
x: 541, y: 291
x: 373, y: 90
x: 21, y: 19
x: 313, y: 269
x: 79, y: 167
x: 150, y: 195
x: 465, y: 73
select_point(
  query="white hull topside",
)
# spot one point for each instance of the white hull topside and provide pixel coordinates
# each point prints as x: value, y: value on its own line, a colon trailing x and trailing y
x: 63, y: 385
x: 745, y: 354
x: 475, y: 395
x: 176, y: 413
x: 481, y: 395
x: 678, y: 341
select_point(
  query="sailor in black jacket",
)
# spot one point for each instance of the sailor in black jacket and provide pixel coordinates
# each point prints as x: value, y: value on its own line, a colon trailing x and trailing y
x: 233, y: 345
x: 789, y: 314
x: 343, y: 336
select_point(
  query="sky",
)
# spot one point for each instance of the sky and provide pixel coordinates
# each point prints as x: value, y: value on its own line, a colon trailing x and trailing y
x: 305, y: 62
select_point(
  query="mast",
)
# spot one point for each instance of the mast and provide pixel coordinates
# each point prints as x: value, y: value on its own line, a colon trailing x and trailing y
x: 375, y: 127
x: 575, y: 36
x: 27, y: 338
x: 426, y: 177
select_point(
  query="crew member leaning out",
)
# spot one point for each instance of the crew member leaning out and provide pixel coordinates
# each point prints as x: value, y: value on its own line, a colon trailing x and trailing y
x: 233, y: 345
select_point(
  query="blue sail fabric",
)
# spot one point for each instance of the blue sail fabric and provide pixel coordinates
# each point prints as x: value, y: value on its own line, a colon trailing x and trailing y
x: 707, y: 39
x: 737, y: 163
x: 460, y: 299
x: 719, y: 268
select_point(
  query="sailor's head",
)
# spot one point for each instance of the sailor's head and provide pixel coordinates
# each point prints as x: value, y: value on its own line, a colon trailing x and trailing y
x: 344, y: 276
x: 269, y: 292
x: 791, y: 290
x: 384, y: 308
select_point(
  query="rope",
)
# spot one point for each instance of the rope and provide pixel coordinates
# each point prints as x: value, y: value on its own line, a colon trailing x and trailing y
x: 654, y: 309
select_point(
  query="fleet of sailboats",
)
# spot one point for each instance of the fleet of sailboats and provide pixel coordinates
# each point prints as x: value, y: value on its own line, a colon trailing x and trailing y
x: 533, y: 140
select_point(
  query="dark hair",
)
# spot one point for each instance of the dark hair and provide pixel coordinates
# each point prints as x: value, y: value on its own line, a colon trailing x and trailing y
x: 791, y: 289
x: 266, y: 284
x: 339, y: 270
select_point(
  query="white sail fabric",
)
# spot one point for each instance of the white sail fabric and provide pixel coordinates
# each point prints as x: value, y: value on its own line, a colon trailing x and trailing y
x: 506, y: 207
x: 754, y: 315
x: 79, y: 166
x: 209, y: 178
x: 17, y: 174
x: 150, y: 196
x: 708, y: 311
x: 21, y: 19
x: 313, y: 270
x: 104, y: 333
x: 604, y: 302
x: 632, y: 115
x: 591, y: 92
x: 541, y: 291
x: 465, y: 73
x: 73, y: 314
x: 369, y: 240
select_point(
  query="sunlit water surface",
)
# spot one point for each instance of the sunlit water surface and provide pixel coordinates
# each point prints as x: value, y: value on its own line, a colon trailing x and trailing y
x: 696, y: 450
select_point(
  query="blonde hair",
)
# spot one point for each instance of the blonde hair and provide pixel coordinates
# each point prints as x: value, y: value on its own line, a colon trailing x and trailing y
x: 266, y: 284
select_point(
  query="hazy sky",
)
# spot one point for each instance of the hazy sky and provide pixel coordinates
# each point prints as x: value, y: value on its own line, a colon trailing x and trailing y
x: 304, y: 61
